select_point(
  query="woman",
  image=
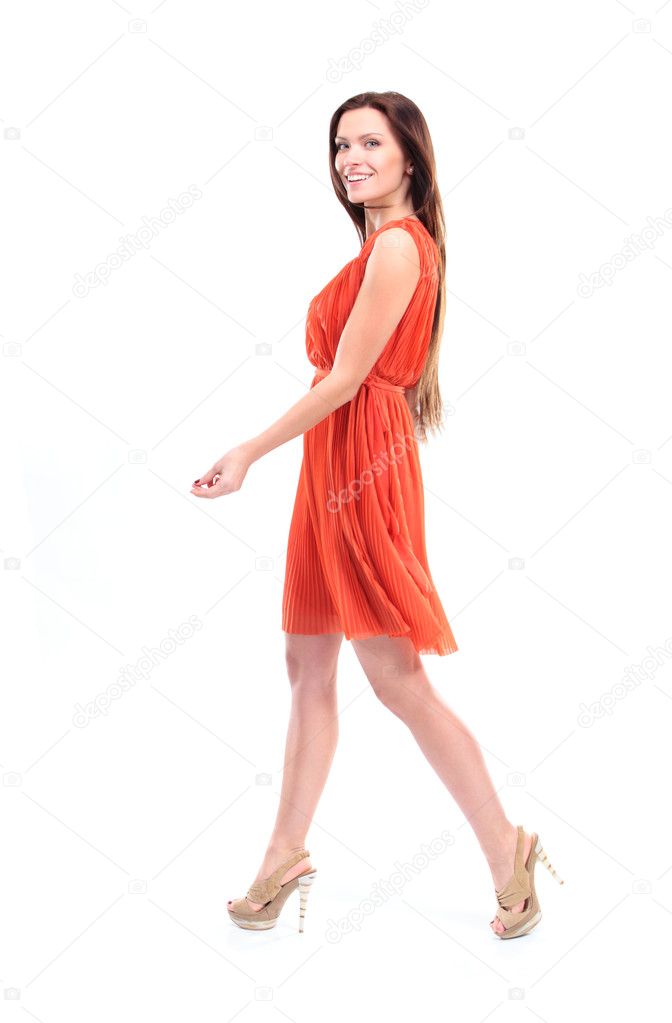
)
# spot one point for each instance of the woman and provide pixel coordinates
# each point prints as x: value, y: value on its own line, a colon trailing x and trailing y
x: 356, y: 560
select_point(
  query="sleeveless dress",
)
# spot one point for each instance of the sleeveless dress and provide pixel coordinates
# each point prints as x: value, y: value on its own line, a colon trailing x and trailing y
x: 356, y: 560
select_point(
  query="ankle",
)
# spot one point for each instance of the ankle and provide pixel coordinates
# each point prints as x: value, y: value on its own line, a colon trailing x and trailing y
x: 501, y: 848
x: 283, y: 848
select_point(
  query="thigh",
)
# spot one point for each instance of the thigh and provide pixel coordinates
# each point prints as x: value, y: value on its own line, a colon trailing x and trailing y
x: 388, y: 662
x: 312, y: 659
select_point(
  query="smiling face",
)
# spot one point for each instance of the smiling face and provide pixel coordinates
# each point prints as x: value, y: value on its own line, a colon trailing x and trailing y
x: 367, y: 150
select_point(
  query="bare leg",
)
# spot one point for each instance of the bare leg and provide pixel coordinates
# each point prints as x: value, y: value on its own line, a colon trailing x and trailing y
x: 395, y: 671
x: 312, y: 736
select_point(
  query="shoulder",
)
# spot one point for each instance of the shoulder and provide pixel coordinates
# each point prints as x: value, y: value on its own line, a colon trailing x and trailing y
x: 395, y: 250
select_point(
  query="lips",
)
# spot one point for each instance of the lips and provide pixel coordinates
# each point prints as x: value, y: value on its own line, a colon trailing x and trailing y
x: 360, y: 181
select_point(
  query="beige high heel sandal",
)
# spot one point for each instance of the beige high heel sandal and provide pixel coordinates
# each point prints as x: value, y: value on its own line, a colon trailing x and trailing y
x: 521, y: 887
x: 272, y: 896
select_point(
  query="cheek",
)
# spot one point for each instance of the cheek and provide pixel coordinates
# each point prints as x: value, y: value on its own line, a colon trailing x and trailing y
x: 391, y: 169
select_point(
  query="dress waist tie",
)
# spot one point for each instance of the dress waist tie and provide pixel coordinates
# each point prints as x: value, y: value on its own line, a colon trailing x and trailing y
x: 373, y: 380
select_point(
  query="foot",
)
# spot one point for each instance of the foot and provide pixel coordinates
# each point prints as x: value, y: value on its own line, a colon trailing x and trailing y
x: 502, y: 872
x: 271, y: 861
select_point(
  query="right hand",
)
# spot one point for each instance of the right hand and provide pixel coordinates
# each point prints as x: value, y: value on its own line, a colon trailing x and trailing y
x: 225, y: 476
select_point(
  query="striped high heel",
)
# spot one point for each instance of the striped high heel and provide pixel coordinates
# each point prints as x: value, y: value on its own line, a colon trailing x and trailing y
x: 272, y: 896
x: 521, y: 887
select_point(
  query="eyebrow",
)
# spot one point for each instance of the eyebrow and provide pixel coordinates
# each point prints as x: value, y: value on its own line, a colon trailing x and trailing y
x: 361, y: 136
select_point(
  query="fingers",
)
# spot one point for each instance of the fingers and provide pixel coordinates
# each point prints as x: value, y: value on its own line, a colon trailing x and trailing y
x: 208, y: 479
x: 200, y: 486
x: 211, y: 491
x: 213, y: 488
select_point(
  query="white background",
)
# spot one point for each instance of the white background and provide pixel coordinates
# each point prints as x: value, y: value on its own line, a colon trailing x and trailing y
x: 124, y: 836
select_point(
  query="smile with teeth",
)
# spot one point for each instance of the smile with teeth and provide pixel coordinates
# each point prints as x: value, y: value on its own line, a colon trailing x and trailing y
x: 354, y: 178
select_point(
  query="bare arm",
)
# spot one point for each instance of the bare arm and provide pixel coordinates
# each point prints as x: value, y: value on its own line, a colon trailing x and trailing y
x: 325, y: 397
x: 392, y: 272
x: 391, y: 275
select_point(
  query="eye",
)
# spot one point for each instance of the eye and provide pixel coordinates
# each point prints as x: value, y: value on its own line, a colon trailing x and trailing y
x: 339, y: 144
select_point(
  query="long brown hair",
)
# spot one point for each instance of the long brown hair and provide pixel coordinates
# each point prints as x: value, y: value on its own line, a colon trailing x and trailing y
x: 412, y: 134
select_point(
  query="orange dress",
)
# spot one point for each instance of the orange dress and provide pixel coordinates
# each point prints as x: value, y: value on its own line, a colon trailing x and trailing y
x: 356, y: 559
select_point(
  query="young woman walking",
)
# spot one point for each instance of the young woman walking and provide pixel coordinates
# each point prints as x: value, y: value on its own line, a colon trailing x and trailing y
x: 356, y: 560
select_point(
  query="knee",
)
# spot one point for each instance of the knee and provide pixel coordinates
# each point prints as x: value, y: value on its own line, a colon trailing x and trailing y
x: 310, y: 680
x: 402, y: 693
